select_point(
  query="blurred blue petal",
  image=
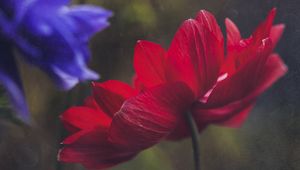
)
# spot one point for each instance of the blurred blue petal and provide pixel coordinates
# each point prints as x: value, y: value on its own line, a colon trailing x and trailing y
x: 92, y: 17
x: 10, y: 79
x: 53, y: 36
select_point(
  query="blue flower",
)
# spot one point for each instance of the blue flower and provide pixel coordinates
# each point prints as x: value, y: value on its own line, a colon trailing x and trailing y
x: 50, y: 35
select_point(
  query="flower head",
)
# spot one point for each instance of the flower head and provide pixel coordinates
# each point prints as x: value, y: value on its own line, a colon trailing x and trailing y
x: 225, y: 84
x: 49, y: 35
x: 192, y: 77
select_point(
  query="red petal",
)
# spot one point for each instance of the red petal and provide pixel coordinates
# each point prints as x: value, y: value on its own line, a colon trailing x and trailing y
x: 237, y: 119
x: 74, y: 137
x: 233, y: 47
x: 91, y: 102
x: 239, y: 85
x: 111, y: 94
x: 273, y: 70
x: 92, y: 149
x: 235, y: 95
x: 84, y: 118
x: 263, y: 30
x: 276, y: 33
x: 149, y: 63
x: 208, y: 20
x: 231, y: 115
x: 195, y: 56
x: 233, y: 34
x: 137, y: 83
x: 181, y: 130
x: 151, y: 116
x: 247, y: 48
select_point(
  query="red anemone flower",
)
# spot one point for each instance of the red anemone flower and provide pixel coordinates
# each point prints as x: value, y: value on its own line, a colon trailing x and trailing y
x: 192, y: 77
x: 225, y: 83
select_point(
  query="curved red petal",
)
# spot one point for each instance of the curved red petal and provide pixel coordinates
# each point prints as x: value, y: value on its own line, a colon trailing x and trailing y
x: 239, y: 53
x: 238, y: 85
x: 181, y: 130
x: 272, y: 71
x: 237, y: 94
x: 233, y: 34
x: 137, y: 83
x: 237, y: 119
x: 92, y: 103
x: 75, y: 136
x: 151, y: 116
x: 208, y: 20
x: 149, y: 63
x: 195, y: 56
x: 276, y: 33
x: 263, y: 30
x: 80, y: 117
x: 111, y: 94
x: 233, y: 47
x: 91, y: 148
x: 231, y: 115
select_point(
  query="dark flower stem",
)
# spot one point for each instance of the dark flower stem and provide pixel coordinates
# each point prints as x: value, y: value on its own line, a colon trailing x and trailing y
x: 194, y: 135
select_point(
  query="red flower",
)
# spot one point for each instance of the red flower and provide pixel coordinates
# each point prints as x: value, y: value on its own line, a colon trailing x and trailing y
x: 192, y: 77
x: 108, y: 130
x: 225, y: 83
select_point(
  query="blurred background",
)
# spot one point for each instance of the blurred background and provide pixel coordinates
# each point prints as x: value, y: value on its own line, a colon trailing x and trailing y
x: 269, y: 140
